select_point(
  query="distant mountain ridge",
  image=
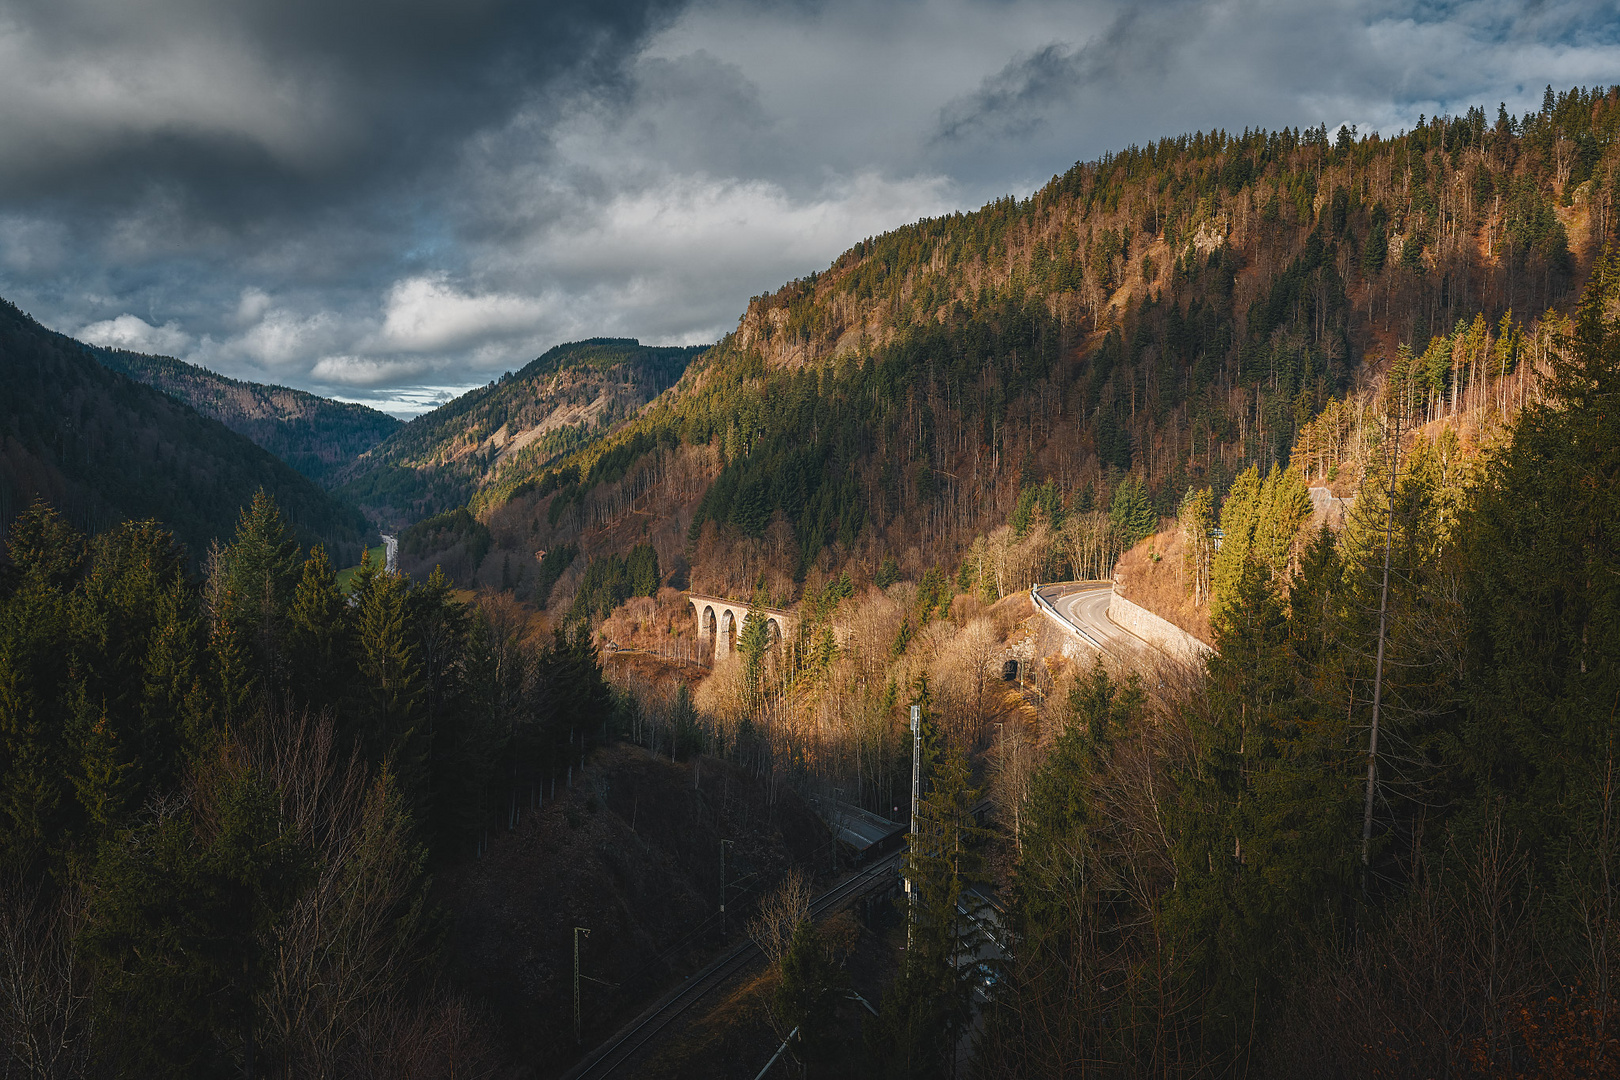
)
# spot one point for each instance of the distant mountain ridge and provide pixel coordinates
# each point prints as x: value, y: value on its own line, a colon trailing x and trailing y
x: 563, y: 400
x: 103, y: 448
x: 315, y: 435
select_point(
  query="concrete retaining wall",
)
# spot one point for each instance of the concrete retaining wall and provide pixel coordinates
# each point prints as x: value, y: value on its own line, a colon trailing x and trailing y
x: 1160, y: 633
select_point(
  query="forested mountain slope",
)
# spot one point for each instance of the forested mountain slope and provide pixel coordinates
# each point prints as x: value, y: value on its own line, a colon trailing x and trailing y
x: 314, y: 435
x: 103, y: 448
x: 1166, y: 316
x: 551, y: 407
x: 1373, y: 833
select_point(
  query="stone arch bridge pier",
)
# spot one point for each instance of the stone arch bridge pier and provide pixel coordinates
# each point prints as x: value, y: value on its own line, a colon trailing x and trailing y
x: 720, y: 623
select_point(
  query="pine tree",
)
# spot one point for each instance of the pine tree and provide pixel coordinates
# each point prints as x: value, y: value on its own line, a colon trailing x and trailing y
x: 907, y: 1039
x: 1260, y: 522
x: 263, y: 570
x: 178, y: 931
x: 580, y: 702
x: 753, y: 643
x: 230, y: 673
x: 135, y: 698
x: 1074, y: 991
x: 41, y: 543
x: 641, y: 567
x: 35, y: 803
x: 319, y: 634
x: 390, y: 684
x: 483, y: 736
x: 439, y: 629
x: 945, y: 870
x: 807, y: 997
x: 36, y: 807
x: 1543, y: 597
x: 1238, y: 515
x: 1132, y: 511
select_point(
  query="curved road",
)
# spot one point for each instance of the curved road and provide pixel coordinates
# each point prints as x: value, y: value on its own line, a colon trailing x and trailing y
x: 1084, y: 606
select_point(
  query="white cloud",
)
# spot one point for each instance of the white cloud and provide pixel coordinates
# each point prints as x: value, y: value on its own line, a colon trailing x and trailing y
x: 137, y: 335
x: 428, y: 314
x: 364, y: 370
x: 282, y: 338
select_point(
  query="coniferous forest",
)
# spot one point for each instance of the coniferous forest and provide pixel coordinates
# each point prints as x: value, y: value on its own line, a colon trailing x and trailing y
x: 1335, y: 415
x: 225, y: 793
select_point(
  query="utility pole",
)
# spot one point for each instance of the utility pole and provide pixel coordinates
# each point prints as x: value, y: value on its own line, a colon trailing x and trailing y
x: 916, y: 762
x: 1378, y: 668
x: 916, y: 793
x: 578, y: 930
x: 723, y: 844
x: 838, y: 817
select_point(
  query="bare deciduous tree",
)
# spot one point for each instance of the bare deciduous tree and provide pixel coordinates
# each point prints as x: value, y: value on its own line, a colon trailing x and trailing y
x: 44, y: 997
x: 1012, y: 765
x: 780, y: 913
x: 355, y: 938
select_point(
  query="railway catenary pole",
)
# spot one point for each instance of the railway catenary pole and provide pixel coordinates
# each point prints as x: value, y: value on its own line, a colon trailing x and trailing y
x: 1378, y: 668
x: 578, y: 930
x: 916, y: 795
x: 610, y: 1058
x: 723, y: 844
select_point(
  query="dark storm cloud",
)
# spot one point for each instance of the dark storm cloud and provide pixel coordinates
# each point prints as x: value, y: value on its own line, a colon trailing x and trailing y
x: 392, y: 199
x: 270, y: 101
x: 161, y: 160
x: 1163, y: 68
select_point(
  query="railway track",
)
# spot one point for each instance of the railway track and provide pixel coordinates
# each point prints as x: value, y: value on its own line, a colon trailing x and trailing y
x: 612, y: 1055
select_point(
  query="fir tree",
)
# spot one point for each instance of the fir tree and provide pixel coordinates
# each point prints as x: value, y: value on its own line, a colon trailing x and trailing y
x: 807, y: 997
x: 641, y: 567
x: 319, y: 642
x: 178, y: 932
x: 263, y: 571
x: 389, y: 684
x: 1075, y: 989
x: 1132, y: 511
x: 945, y: 871
x: 1543, y: 596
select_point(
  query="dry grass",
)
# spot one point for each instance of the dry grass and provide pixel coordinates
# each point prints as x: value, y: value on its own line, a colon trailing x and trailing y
x: 1152, y: 575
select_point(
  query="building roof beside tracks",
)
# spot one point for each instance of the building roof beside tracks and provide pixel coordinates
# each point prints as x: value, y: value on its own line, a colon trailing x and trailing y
x: 860, y: 829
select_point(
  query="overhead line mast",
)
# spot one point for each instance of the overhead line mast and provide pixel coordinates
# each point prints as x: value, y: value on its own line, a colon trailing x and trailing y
x: 916, y: 794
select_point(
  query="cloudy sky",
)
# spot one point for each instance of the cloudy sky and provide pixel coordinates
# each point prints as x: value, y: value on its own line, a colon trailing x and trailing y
x: 393, y: 201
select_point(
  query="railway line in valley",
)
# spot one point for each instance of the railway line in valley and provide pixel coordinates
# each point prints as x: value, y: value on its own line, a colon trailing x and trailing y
x: 612, y: 1057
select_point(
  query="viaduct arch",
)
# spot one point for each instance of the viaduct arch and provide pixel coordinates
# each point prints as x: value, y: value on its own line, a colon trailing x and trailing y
x: 720, y: 623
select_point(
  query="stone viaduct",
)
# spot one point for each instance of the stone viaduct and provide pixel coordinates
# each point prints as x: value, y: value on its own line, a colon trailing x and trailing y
x: 720, y: 621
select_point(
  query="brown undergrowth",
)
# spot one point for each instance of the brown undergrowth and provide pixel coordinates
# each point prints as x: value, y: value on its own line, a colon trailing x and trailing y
x: 1152, y: 575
